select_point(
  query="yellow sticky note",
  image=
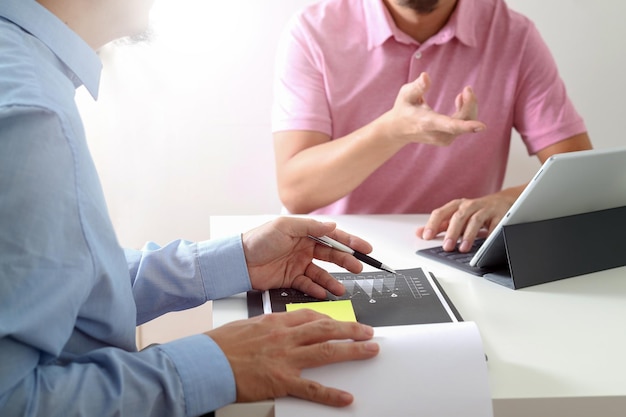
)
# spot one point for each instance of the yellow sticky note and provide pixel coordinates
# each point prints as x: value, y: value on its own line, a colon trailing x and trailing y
x: 341, y: 310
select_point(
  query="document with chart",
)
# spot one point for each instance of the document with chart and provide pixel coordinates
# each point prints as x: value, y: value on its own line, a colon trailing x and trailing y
x: 431, y: 363
x: 411, y: 296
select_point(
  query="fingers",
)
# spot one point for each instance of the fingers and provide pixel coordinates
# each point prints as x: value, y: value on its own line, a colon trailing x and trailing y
x: 343, y: 259
x: 467, y: 110
x: 306, y: 328
x: 291, y: 319
x: 280, y: 254
x: 466, y: 105
x: 352, y: 241
x: 429, y: 232
x: 316, y: 281
x: 465, y: 224
x: 412, y: 120
x: 316, y: 339
x: 316, y: 392
x: 319, y: 330
x: 327, y: 353
x: 305, y: 227
x: 464, y: 120
x: 269, y: 352
x: 463, y: 220
x: 455, y: 218
x: 439, y: 220
x: 319, y: 351
x: 455, y: 126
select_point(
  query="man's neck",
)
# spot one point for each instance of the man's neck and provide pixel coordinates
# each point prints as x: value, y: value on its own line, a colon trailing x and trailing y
x: 421, y: 26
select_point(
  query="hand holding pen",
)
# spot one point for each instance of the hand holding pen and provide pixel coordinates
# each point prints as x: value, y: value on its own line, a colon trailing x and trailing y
x: 280, y: 254
x: 325, y: 240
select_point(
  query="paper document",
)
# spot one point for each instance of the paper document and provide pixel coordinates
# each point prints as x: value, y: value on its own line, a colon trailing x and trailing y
x: 434, y: 370
x: 410, y: 296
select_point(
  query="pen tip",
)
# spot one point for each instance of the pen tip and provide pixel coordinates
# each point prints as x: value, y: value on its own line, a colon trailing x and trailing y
x: 389, y: 269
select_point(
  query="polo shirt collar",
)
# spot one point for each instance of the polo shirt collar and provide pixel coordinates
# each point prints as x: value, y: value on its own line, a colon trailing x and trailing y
x: 84, y: 65
x: 464, y: 22
x: 379, y: 23
x: 462, y: 25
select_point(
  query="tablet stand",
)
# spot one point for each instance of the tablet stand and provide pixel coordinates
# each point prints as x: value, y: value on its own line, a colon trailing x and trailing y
x: 550, y: 250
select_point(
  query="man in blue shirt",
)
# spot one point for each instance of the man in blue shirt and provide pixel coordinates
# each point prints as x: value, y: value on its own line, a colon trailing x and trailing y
x: 70, y: 297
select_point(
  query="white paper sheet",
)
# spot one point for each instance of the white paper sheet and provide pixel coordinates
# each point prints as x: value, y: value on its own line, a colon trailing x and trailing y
x: 433, y: 370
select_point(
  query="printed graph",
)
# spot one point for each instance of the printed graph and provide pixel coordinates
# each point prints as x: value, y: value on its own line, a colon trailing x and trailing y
x: 381, y: 298
x: 383, y: 285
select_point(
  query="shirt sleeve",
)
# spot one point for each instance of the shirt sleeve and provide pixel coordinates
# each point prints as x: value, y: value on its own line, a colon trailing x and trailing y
x: 182, y: 274
x: 67, y: 315
x: 186, y: 377
x: 300, y: 99
x: 544, y: 113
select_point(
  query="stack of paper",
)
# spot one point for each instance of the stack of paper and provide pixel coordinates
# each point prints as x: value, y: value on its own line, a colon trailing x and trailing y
x: 430, y: 370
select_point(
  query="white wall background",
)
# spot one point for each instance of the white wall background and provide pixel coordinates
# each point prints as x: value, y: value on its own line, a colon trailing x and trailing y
x: 181, y: 130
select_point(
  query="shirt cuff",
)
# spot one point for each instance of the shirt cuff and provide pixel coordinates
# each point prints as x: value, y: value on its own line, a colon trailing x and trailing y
x: 205, y: 373
x: 223, y: 267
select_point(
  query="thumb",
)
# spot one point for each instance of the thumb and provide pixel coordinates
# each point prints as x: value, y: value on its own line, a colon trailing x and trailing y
x: 418, y: 88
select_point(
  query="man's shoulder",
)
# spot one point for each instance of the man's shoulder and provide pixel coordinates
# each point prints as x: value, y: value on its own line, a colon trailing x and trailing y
x: 29, y: 74
x: 328, y: 14
x: 504, y: 15
x: 495, y: 19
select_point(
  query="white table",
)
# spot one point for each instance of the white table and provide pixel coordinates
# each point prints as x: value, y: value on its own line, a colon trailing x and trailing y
x: 556, y: 349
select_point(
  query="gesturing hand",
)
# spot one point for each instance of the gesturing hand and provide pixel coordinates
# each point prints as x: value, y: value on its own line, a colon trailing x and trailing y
x: 268, y: 353
x: 412, y: 120
x: 279, y: 254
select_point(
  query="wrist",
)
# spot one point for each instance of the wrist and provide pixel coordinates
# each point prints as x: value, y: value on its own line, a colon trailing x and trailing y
x: 385, y: 130
x: 512, y: 193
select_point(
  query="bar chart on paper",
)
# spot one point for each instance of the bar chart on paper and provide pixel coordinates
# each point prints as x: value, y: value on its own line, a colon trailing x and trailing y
x: 379, y: 298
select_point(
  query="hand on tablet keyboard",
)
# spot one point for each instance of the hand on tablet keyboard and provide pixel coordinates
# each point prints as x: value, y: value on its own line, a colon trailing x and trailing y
x: 463, y: 220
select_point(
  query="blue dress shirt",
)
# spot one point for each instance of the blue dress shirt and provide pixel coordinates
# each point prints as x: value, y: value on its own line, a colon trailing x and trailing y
x: 70, y: 296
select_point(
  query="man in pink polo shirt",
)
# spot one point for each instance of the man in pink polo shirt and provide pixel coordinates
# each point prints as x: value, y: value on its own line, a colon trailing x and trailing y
x: 376, y: 110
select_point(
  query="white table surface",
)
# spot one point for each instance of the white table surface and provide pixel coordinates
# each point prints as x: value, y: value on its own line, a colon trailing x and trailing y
x: 554, y: 349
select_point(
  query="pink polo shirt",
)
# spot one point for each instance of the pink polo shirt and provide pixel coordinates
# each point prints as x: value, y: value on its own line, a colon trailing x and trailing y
x: 341, y: 63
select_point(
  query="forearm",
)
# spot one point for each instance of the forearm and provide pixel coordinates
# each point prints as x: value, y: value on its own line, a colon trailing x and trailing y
x: 183, y: 378
x: 343, y: 164
x: 321, y: 174
x: 182, y: 275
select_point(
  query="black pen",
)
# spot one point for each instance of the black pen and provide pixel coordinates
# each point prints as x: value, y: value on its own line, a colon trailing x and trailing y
x: 325, y: 240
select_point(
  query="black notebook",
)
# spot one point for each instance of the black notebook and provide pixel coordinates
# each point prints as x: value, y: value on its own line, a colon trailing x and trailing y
x: 411, y: 296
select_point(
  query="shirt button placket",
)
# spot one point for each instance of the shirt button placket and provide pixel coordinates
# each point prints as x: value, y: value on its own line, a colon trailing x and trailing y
x: 416, y: 66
